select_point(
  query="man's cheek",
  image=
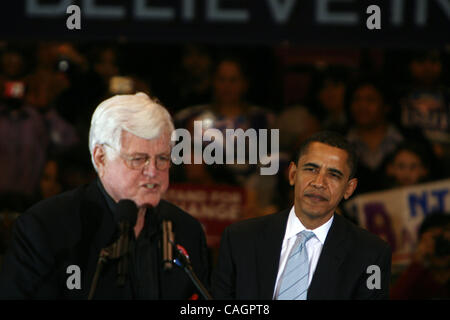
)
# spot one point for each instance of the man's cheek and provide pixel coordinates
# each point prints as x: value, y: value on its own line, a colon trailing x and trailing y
x: 164, y: 183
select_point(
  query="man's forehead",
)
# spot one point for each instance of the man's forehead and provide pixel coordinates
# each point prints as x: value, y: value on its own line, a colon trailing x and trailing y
x: 131, y: 141
x: 319, y: 147
x: 323, y: 154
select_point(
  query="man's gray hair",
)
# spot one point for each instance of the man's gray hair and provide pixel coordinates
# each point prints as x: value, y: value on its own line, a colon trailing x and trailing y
x: 136, y: 113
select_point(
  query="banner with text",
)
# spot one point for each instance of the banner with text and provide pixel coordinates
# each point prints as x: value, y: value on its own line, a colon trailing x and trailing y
x: 215, y: 207
x: 396, y: 215
x: 395, y: 23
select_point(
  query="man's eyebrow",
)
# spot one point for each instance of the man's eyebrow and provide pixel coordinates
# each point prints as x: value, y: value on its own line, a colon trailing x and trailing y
x: 140, y: 154
x: 333, y: 170
x: 143, y: 154
x: 311, y: 164
x: 336, y: 171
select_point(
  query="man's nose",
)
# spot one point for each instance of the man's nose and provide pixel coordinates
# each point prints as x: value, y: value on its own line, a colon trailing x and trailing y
x: 319, y: 180
x: 150, y: 168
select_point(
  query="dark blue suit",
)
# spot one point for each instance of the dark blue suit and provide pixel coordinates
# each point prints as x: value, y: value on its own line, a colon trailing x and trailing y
x: 250, y: 253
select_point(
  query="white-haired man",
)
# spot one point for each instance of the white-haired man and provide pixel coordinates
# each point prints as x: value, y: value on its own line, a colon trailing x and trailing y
x: 130, y: 145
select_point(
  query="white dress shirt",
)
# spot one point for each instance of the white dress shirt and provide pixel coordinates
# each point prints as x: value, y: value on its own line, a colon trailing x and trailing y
x: 313, y: 246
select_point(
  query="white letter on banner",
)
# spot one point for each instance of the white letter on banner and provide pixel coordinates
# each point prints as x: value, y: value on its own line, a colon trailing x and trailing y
x: 445, y: 4
x: 92, y: 10
x: 323, y: 15
x: 397, y: 8
x: 35, y: 9
x: 281, y: 12
x: 214, y: 13
x: 188, y: 9
x: 142, y: 12
x: 421, y: 13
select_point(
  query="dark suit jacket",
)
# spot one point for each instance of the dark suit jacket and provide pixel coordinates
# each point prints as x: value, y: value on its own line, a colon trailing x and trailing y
x: 71, y: 229
x: 250, y: 253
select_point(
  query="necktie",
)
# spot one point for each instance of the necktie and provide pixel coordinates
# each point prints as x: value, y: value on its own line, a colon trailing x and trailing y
x: 294, y: 281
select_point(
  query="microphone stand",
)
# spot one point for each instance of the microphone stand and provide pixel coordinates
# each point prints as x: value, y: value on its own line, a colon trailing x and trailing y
x: 127, y: 213
x: 184, y: 262
x: 168, y: 239
x: 101, y: 260
x: 117, y: 250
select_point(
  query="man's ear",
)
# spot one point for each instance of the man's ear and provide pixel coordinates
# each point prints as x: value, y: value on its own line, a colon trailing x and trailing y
x: 292, y: 173
x: 99, y: 159
x: 351, y: 186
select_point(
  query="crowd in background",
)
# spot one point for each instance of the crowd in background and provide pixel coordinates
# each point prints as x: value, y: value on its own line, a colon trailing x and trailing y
x: 394, y: 106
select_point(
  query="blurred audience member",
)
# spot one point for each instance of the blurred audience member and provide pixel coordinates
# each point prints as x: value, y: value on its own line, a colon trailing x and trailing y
x: 296, y: 124
x: 12, y: 64
x: 91, y: 84
x: 428, y: 276
x: 193, y: 79
x: 106, y: 64
x: 371, y: 133
x: 408, y: 165
x: 228, y: 110
x: 47, y: 79
x: 425, y: 102
x: 23, y: 133
x: 12, y: 76
x: 50, y: 78
x: 50, y: 183
x: 327, y: 98
x: 77, y: 168
x: 24, y: 142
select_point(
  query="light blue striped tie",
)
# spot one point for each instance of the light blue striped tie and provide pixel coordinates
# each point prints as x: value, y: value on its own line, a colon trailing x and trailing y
x: 294, y: 281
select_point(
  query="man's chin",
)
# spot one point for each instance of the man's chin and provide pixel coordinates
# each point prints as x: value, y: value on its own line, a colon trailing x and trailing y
x: 315, y: 214
x: 147, y: 203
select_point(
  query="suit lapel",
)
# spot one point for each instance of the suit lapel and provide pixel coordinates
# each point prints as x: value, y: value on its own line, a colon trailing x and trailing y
x: 331, y: 257
x: 268, y: 252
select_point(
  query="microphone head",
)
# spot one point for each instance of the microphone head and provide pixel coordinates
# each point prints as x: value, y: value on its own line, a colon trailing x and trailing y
x: 183, y: 251
x: 127, y: 211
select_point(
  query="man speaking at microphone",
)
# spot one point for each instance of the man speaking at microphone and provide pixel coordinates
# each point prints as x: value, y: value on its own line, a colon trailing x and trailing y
x: 57, y: 244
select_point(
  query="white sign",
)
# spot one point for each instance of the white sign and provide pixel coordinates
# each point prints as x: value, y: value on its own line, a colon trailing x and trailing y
x: 395, y: 215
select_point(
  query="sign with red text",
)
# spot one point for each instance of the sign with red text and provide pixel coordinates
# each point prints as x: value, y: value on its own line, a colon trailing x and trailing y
x: 215, y: 206
x: 395, y: 215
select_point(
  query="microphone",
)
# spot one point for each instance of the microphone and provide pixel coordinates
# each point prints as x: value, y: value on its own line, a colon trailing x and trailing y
x: 127, y: 212
x: 184, y: 262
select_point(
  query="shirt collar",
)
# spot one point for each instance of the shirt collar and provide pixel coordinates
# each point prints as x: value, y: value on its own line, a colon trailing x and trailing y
x: 294, y: 226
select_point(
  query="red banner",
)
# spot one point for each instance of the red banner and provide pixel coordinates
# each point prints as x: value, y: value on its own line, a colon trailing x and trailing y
x: 215, y: 206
